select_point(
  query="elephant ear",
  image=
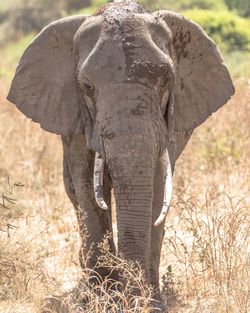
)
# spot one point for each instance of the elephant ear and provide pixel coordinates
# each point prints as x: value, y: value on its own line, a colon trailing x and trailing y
x: 44, y: 87
x: 203, y: 83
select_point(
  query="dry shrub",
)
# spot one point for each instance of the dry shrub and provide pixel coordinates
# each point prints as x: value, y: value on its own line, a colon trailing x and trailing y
x: 109, y: 295
x: 32, y: 256
x: 206, y: 247
x: 7, y: 208
x: 211, y: 251
x: 20, y: 271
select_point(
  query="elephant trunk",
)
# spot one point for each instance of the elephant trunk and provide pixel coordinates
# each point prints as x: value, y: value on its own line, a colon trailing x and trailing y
x: 132, y: 172
x: 132, y: 139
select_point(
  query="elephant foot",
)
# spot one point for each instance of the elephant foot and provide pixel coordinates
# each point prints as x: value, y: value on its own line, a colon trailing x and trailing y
x: 159, y: 305
x: 78, y: 299
x: 159, y: 308
x: 71, y: 302
x: 63, y: 304
x: 53, y: 305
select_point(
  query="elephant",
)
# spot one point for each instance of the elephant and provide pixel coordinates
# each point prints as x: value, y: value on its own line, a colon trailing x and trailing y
x: 125, y: 89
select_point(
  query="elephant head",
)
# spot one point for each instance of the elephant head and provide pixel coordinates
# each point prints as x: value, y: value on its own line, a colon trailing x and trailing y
x: 136, y: 84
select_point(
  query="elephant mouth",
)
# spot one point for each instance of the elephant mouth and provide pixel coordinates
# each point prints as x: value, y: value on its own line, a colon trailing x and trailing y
x: 168, y: 187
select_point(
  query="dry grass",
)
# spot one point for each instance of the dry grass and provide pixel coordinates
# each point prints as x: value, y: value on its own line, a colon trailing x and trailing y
x: 205, y: 259
x: 207, y: 240
x: 106, y: 296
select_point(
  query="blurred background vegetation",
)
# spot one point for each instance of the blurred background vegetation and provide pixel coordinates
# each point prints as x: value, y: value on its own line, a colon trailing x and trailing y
x: 226, y: 21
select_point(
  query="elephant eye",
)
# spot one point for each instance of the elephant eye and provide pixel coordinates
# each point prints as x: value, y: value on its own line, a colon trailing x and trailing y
x: 87, y: 88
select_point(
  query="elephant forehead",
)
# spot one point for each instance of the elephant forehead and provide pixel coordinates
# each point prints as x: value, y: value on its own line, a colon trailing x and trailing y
x: 119, y: 48
x: 133, y: 23
x: 120, y: 27
x: 127, y: 57
x: 116, y: 60
x: 105, y: 62
x: 120, y: 8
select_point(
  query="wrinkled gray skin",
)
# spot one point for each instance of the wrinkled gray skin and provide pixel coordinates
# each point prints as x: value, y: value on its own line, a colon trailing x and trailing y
x: 127, y: 84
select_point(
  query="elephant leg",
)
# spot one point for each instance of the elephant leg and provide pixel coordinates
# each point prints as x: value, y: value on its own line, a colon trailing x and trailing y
x: 94, y: 223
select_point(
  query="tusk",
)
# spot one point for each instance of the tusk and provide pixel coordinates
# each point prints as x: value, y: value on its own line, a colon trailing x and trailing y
x: 98, y: 181
x: 168, y: 190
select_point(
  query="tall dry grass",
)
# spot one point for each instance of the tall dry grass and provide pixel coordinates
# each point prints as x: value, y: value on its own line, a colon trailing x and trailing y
x: 205, y: 257
x: 207, y: 240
